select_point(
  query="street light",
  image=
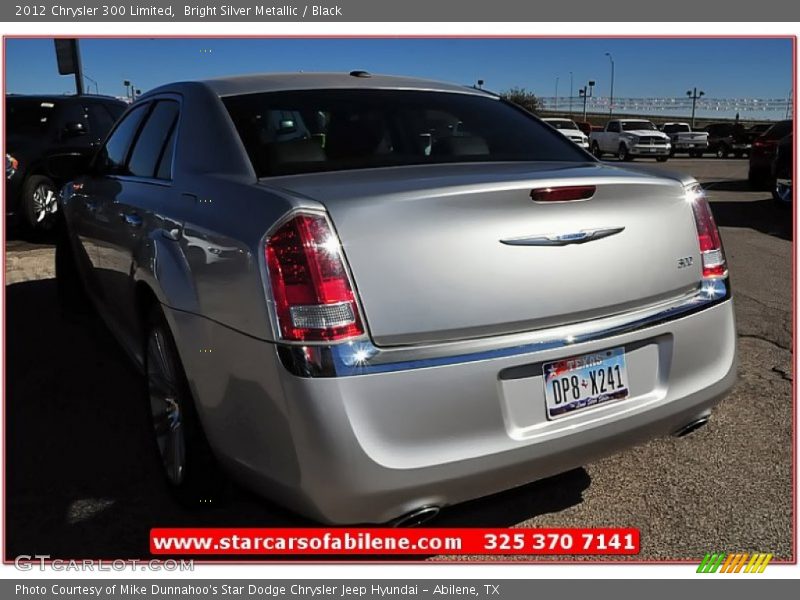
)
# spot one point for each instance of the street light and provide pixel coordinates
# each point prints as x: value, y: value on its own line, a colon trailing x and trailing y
x: 586, y: 92
x: 570, y: 94
x: 480, y: 84
x: 556, y: 107
x: 694, y: 95
x: 611, y: 99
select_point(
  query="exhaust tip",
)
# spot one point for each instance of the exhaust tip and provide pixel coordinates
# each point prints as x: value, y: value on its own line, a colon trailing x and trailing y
x: 417, y: 517
x: 692, y: 426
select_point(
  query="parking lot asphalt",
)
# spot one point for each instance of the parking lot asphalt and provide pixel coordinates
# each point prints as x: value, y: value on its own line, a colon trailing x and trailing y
x: 82, y: 480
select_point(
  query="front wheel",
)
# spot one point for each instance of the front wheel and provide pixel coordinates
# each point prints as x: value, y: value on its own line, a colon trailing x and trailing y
x: 188, y: 464
x: 39, y: 202
x: 596, y: 150
x: 662, y: 158
x: 623, y: 154
x: 722, y: 151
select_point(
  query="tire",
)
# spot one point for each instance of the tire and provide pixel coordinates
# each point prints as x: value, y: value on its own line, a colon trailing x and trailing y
x: 596, y: 150
x: 188, y: 464
x: 623, y: 154
x: 662, y: 158
x: 72, y: 297
x: 722, y: 151
x: 39, y: 202
x: 738, y: 154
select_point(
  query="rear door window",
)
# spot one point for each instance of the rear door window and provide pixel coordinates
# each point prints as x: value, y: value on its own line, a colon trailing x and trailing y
x: 151, y: 143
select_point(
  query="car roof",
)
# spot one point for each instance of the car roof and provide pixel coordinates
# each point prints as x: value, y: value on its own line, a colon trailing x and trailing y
x: 274, y: 82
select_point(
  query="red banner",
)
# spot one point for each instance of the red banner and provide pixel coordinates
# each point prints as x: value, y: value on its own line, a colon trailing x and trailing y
x: 383, y: 541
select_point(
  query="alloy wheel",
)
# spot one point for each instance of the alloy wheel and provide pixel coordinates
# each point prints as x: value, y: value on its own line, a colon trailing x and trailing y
x: 165, y: 407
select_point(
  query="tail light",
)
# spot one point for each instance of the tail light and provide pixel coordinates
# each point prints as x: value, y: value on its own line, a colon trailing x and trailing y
x: 314, y: 299
x: 765, y: 145
x: 711, y: 252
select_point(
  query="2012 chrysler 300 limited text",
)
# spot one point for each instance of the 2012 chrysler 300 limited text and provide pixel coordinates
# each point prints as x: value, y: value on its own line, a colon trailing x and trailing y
x: 368, y: 296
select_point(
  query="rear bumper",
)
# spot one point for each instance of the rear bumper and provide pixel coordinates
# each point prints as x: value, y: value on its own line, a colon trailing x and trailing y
x: 369, y: 448
x: 680, y: 146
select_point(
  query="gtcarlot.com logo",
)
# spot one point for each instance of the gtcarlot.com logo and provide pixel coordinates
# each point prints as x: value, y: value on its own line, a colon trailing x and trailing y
x: 719, y: 562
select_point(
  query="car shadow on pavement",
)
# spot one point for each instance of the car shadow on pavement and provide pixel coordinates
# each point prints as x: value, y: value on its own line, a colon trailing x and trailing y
x: 766, y: 216
x: 82, y: 477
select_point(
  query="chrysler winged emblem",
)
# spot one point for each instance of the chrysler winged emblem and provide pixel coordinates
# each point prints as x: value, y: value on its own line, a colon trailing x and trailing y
x: 563, y: 239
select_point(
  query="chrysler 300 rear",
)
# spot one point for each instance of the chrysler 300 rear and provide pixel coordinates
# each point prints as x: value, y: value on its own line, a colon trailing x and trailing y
x: 367, y: 296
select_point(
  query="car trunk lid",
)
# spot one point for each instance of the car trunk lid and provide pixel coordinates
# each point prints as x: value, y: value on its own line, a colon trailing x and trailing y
x: 448, y: 252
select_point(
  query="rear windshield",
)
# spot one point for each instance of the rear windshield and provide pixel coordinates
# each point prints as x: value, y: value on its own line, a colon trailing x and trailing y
x: 27, y: 116
x: 779, y: 130
x: 328, y: 130
x: 676, y: 128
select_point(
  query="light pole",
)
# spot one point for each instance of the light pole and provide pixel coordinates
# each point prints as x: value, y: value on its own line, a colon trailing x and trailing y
x: 570, y: 94
x: 90, y: 80
x: 586, y: 92
x: 611, y: 99
x: 694, y: 95
x: 556, y: 107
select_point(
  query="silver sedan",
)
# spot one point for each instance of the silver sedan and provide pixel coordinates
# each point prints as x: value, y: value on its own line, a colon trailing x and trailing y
x: 368, y: 297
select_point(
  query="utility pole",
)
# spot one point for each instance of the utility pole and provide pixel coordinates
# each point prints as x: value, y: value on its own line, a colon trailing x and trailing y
x: 586, y: 92
x: 611, y: 99
x: 694, y: 95
x: 90, y: 80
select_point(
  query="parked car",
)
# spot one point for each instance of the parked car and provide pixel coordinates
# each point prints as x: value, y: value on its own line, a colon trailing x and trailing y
x: 585, y: 127
x: 631, y: 138
x: 39, y: 129
x: 569, y: 129
x: 406, y: 324
x: 763, y: 153
x: 782, y: 170
x: 683, y: 139
x: 726, y: 139
x: 756, y: 130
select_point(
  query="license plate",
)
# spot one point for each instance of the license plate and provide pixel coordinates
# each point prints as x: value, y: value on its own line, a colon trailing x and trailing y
x: 585, y: 381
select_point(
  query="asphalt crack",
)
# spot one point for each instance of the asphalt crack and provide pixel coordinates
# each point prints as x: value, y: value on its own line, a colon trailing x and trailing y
x: 784, y: 375
x: 765, y: 339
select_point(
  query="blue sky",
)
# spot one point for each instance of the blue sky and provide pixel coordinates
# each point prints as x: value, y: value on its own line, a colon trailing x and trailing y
x: 723, y: 68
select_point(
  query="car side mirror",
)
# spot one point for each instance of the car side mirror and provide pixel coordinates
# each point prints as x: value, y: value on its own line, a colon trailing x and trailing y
x: 73, y: 129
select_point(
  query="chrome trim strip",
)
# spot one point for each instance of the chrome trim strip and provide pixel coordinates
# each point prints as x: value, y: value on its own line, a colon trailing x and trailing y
x: 364, y: 358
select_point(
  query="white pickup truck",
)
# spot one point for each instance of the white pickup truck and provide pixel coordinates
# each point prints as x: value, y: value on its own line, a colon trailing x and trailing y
x: 631, y: 138
x: 685, y: 140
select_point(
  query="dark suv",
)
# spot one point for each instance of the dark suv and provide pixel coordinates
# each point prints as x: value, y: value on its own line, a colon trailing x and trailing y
x: 726, y: 139
x: 39, y: 129
x: 763, y: 154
